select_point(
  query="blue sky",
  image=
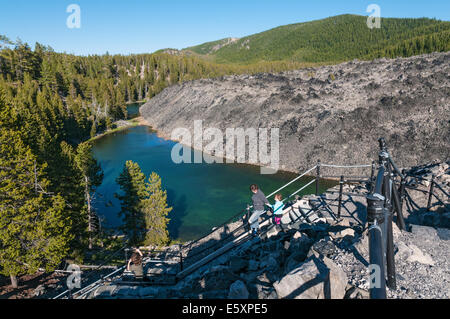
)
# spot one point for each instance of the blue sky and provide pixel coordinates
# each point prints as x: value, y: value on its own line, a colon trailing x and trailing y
x: 132, y: 26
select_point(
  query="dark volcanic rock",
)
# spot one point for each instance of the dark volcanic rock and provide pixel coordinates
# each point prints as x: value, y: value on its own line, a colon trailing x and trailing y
x: 406, y: 100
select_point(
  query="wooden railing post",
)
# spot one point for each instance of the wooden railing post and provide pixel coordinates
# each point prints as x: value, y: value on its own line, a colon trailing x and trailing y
x: 318, y: 177
x: 430, y: 197
x: 341, y: 190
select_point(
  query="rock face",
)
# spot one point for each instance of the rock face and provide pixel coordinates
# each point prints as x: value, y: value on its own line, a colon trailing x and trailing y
x: 406, y: 100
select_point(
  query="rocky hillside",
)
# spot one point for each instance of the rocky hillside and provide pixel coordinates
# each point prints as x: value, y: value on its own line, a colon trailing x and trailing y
x: 333, y: 113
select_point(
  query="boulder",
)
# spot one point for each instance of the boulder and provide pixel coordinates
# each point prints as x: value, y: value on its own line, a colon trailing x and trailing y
x: 238, y: 290
x: 299, y: 241
x: 338, y: 279
x: 424, y: 232
x: 325, y: 247
x: 343, y: 233
x: 39, y: 291
x: 294, y: 260
x: 264, y: 288
x: 396, y: 232
x: 431, y: 219
x: 212, y: 294
x: 238, y: 264
x: 253, y: 265
x: 357, y: 293
x: 412, y: 253
x: 307, y: 281
x: 420, y: 257
x: 218, y: 280
x: 106, y: 291
x: 249, y: 276
x: 362, y: 247
x: 445, y: 220
x: 148, y: 292
x: 313, y: 279
x: 272, y: 232
x: 264, y: 292
x: 127, y: 292
x: 270, y: 264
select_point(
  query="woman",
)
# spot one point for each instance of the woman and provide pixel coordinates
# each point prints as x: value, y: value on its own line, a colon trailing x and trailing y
x: 259, y: 202
x: 135, y: 265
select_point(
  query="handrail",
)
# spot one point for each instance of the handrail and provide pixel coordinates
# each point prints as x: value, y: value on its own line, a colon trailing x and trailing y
x: 305, y: 186
x: 345, y: 166
x: 296, y: 179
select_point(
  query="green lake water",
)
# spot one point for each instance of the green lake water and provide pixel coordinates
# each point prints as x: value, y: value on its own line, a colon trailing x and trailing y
x: 133, y: 110
x: 202, y: 195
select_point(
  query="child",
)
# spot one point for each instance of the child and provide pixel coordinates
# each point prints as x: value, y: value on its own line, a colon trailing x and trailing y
x: 278, y: 209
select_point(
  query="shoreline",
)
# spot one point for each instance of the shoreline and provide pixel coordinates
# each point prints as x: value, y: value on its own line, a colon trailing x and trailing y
x: 143, y: 122
x: 130, y: 123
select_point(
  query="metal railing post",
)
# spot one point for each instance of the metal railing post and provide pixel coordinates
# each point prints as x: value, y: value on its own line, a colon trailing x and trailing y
x: 372, y: 176
x: 430, y: 197
x: 377, y: 286
x: 398, y: 208
x: 341, y: 190
x: 318, y: 177
x: 375, y: 217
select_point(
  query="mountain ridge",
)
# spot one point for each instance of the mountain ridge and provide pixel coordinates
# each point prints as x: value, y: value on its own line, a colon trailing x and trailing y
x: 333, y: 39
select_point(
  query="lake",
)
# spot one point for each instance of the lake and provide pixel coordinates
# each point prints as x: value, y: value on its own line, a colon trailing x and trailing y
x: 202, y: 195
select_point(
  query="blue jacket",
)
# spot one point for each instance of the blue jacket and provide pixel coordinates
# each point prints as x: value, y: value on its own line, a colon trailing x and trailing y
x: 278, y: 208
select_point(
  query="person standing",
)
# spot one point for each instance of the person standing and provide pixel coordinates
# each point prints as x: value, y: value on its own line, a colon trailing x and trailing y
x: 259, y: 202
x: 135, y: 265
x: 278, y: 209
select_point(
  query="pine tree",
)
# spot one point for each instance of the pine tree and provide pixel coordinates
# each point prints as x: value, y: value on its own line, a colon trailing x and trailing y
x: 34, y: 231
x: 156, y: 210
x: 134, y: 191
x: 92, y: 177
x: 93, y: 129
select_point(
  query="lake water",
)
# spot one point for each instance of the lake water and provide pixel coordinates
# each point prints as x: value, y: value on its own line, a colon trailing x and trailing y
x: 133, y: 110
x: 202, y: 195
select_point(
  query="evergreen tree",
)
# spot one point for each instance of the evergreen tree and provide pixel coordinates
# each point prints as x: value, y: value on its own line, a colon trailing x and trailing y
x: 92, y: 177
x: 93, y: 129
x: 156, y: 210
x: 134, y: 192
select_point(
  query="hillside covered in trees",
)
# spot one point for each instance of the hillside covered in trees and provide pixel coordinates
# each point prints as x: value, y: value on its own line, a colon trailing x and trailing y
x: 335, y: 39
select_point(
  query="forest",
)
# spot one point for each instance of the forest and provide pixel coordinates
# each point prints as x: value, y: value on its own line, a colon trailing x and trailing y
x: 333, y: 40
